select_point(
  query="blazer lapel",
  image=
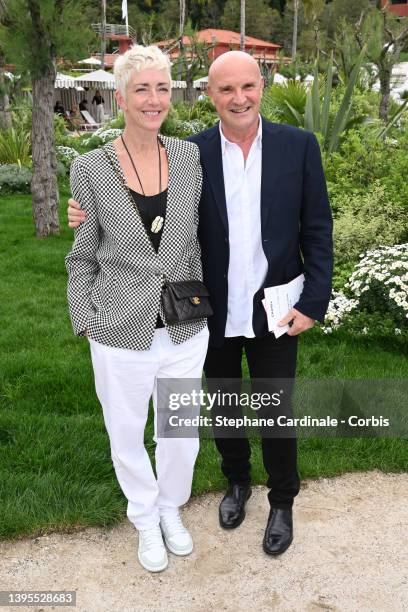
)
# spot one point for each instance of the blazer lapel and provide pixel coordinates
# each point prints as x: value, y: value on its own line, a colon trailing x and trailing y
x: 173, y: 219
x: 211, y: 155
x: 133, y: 213
x: 273, y: 159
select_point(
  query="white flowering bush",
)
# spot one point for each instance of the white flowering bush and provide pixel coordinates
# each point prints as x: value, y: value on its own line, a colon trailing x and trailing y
x: 66, y: 154
x: 339, y: 307
x: 378, y: 294
x: 185, y: 128
x: 102, y: 136
x: 108, y: 134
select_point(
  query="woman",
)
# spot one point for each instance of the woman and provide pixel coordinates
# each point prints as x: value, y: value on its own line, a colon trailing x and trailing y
x: 100, y: 110
x: 75, y: 118
x: 141, y: 195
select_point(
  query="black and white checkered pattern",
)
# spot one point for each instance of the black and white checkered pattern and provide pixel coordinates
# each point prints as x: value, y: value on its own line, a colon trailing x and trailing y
x: 115, y: 277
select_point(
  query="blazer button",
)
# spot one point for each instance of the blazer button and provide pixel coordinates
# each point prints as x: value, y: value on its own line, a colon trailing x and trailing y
x: 157, y: 271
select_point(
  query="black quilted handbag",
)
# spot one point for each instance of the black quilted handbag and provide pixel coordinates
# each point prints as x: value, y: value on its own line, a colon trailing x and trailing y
x: 185, y: 302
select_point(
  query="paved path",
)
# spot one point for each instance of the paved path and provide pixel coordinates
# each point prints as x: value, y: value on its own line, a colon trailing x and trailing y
x: 350, y: 553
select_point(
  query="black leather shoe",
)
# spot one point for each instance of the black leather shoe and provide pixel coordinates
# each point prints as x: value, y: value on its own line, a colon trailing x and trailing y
x: 232, y: 507
x: 279, y: 531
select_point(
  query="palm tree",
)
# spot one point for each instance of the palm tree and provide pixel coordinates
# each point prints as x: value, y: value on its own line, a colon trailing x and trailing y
x: 182, y: 17
x: 313, y: 10
x: 5, y: 113
x: 295, y: 27
x: 242, y: 40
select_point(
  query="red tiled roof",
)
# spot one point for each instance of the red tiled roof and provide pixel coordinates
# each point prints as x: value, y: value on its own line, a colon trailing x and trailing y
x: 401, y: 10
x: 225, y: 37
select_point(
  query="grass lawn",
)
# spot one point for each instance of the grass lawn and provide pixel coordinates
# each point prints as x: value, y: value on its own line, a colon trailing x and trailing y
x: 55, y: 467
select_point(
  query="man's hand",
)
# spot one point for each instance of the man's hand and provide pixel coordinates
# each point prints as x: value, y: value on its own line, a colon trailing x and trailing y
x: 300, y: 322
x: 75, y: 214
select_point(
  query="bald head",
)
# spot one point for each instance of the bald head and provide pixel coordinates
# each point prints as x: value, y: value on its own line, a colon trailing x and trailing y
x: 235, y: 86
x: 232, y: 60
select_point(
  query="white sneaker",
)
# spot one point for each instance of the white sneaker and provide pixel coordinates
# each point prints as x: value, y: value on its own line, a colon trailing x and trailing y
x: 176, y: 536
x: 151, y: 554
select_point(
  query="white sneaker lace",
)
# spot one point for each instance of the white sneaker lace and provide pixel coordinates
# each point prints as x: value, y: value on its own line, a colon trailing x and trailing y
x: 152, y: 538
x: 173, y: 523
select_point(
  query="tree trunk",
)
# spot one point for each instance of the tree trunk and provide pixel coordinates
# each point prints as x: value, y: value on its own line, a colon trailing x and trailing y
x: 384, y: 75
x: 242, y: 35
x: 295, y: 28
x: 44, y: 184
x: 5, y: 113
x: 182, y: 17
x: 189, y: 87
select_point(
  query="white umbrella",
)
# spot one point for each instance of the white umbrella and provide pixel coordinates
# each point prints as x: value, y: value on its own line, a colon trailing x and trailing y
x: 64, y: 81
x: 92, y: 61
x: 279, y: 78
x: 99, y: 79
x: 198, y: 82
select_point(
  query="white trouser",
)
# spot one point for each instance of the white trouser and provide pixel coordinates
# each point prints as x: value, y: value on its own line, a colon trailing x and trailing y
x: 100, y: 113
x: 125, y: 380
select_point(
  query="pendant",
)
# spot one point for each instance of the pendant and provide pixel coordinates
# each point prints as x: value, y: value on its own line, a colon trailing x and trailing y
x: 157, y: 225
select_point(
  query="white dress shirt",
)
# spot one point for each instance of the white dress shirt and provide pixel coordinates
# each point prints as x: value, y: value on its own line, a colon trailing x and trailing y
x: 247, y: 264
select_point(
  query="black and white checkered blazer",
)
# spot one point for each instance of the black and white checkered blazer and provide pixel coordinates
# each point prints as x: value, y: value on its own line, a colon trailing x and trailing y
x: 115, y: 276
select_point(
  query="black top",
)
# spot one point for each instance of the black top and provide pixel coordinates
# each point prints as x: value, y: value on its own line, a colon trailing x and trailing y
x: 149, y: 208
x: 98, y: 100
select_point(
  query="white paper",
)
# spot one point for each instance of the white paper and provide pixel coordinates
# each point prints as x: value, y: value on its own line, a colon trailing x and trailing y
x: 279, y: 300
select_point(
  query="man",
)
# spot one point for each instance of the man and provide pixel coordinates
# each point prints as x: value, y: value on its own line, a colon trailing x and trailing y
x: 59, y: 109
x: 264, y: 219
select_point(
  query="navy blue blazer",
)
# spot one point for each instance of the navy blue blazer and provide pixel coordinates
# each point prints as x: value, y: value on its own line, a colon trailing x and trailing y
x: 296, y: 223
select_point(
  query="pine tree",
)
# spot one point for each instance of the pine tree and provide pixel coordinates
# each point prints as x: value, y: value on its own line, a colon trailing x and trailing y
x: 37, y: 33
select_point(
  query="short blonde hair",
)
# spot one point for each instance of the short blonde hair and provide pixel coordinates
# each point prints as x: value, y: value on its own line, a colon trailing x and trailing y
x: 138, y: 58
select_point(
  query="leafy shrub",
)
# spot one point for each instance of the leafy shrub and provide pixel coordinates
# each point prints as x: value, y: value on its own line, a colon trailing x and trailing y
x: 362, y: 160
x: 279, y: 100
x: 296, y: 68
x: 117, y: 122
x: 61, y: 169
x: 169, y: 125
x: 61, y: 133
x: 15, y: 146
x: 184, y: 120
x: 14, y: 179
x: 22, y: 113
x: 341, y: 274
x: 364, y: 221
x: 202, y: 110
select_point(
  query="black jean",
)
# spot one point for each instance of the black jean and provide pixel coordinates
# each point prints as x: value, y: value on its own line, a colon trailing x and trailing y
x: 268, y: 358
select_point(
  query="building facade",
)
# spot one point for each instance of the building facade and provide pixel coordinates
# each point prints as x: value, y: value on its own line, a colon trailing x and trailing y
x: 399, y: 7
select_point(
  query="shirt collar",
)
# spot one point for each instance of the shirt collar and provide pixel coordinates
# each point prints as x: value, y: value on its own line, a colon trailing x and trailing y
x: 258, y: 138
